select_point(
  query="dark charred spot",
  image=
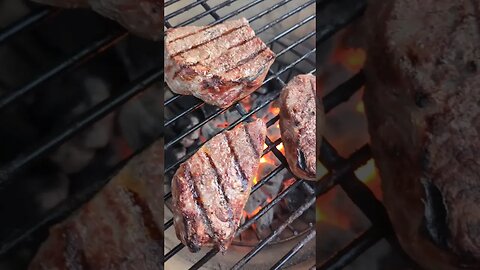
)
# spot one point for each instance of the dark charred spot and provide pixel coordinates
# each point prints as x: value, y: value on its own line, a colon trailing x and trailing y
x: 147, y: 216
x: 413, y: 56
x: 421, y: 99
x: 193, y: 247
x: 301, y: 160
x: 435, y: 214
x: 214, y: 82
x: 394, y: 150
x: 425, y: 161
x: 296, y: 122
x: 472, y: 66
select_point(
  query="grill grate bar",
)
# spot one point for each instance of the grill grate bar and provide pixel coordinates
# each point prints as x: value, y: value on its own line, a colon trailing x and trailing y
x: 284, y: 17
x: 182, y: 114
x: 343, y: 92
x: 212, y: 13
x: 353, y: 250
x: 251, y: 4
x: 203, y: 14
x: 294, y: 250
x: 89, y: 52
x: 310, y: 201
x: 92, y: 115
x: 171, y: 2
x: 174, y: 251
x: 185, y: 8
x: 24, y: 23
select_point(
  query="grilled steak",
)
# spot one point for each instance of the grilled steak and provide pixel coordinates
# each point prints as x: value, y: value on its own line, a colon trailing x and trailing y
x: 143, y: 18
x: 298, y: 125
x: 210, y: 189
x: 219, y: 64
x: 119, y: 228
x: 422, y: 103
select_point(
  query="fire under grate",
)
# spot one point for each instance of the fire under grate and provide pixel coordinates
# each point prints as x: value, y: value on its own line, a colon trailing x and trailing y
x: 340, y: 171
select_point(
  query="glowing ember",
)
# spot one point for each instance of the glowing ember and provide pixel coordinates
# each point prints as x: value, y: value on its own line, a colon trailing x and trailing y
x: 222, y: 125
x: 351, y: 58
x: 275, y: 110
x: 255, y: 180
x: 254, y: 212
x: 360, y: 107
x: 367, y: 172
x: 288, y: 183
x: 263, y: 160
x: 265, y: 146
x: 280, y: 148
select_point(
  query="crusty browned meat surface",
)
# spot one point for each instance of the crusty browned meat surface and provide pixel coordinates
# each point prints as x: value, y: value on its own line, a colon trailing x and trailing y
x: 422, y: 103
x: 120, y: 228
x: 298, y: 125
x: 210, y: 189
x: 143, y: 18
x: 219, y: 64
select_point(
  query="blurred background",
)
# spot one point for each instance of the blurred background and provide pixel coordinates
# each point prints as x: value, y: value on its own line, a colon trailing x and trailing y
x: 77, y: 69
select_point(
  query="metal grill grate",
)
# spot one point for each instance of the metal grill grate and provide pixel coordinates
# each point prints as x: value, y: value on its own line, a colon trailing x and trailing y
x: 340, y: 170
x: 10, y: 170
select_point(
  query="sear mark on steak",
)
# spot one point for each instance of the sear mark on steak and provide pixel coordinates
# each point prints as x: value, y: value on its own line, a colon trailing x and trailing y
x: 435, y: 214
x: 219, y: 64
x: 221, y: 173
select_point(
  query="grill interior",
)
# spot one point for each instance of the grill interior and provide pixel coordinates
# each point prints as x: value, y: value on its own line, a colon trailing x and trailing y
x: 287, y: 26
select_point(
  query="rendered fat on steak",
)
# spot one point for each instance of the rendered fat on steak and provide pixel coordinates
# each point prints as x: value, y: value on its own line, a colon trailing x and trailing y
x: 422, y: 102
x: 143, y: 18
x: 298, y: 117
x: 119, y: 228
x: 210, y: 189
x: 219, y: 64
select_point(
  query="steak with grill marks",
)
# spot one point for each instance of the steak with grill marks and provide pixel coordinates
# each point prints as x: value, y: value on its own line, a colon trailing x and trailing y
x: 298, y: 113
x: 422, y: 103
x: 219, y: 64
x: 119, y: 228
x: 209, y: 190
x: 143, y: 18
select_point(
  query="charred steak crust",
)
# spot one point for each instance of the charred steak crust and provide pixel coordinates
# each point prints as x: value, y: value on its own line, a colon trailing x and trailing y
x: 219, y: 64
x: 119, y: 228
x: 143, y: 18
x: 298, y: 123
x: 421, y: 102
x: 209, y: 190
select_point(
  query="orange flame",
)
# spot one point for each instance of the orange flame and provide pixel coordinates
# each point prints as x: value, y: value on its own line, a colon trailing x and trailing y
x: 351, y: 58
x: 274, y: 110
x: 367, y: 172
